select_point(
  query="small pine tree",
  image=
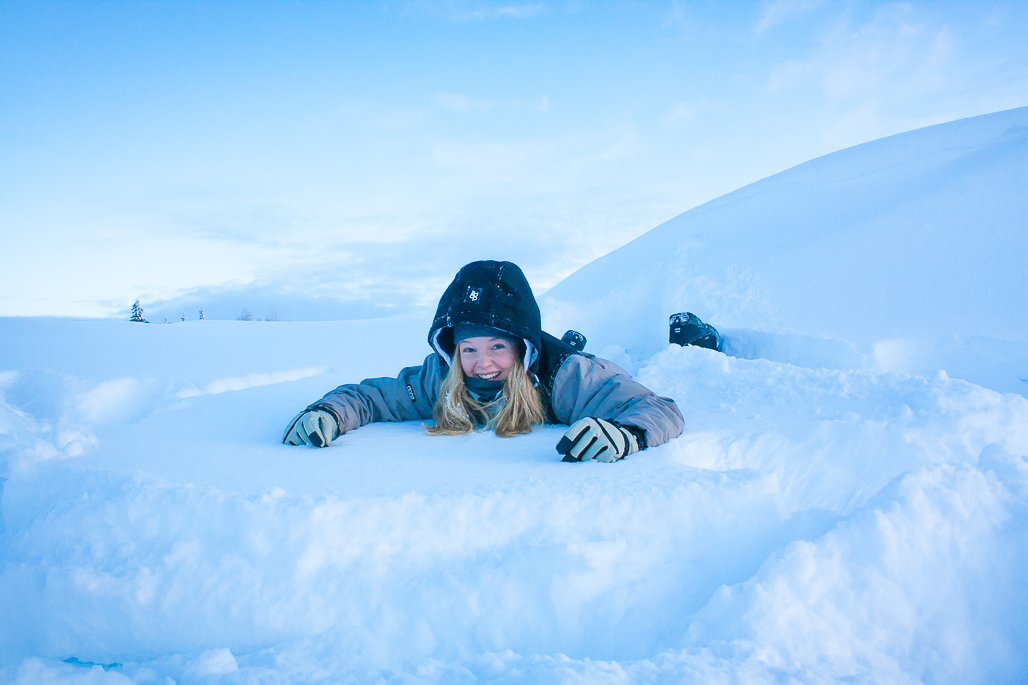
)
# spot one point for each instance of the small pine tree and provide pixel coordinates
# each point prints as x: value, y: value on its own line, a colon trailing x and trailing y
x: 201, y: 314
x: 137, y: 313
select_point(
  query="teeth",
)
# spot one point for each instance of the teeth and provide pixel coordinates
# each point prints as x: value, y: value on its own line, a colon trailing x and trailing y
x: 489, y: 376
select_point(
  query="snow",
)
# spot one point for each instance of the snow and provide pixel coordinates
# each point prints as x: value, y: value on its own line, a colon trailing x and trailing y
x: 907, y: 254
x: 849, y: 500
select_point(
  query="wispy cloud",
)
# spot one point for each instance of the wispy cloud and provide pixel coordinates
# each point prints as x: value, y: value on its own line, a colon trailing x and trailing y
x: 622, y: 144
x: 394, y: 121
x: 475, y: 10
x: 780, y: 10
x: 352, y: 275
x: 863, y: 73
x: 492, y: 161
x: 575, y: 6
x: 677, y: 16
x: 683, y: 111
x: 895, y: 47
x: 460, y: 103
x: 524, y: 10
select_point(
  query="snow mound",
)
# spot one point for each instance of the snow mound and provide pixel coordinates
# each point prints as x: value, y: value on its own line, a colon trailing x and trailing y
x: 912, y: 249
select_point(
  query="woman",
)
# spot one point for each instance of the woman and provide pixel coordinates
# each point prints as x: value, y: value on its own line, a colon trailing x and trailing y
x: 494, y: 368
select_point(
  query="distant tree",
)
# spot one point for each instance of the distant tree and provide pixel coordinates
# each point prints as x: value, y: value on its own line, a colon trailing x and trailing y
x: 273, y: 316
x: 201, y: 313
x: 245, y: 315
x: 137, y: 313
x: 183, y: 316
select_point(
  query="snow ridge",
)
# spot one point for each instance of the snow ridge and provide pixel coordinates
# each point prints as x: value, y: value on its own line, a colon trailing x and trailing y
x: 917, y: 239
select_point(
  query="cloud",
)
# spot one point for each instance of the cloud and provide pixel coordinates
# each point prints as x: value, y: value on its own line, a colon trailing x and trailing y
x: 575, y: 6
x: 483, y: 163
x: 896, y: 51
x: 394, y: 122
x: 779, y: 10
x: 523, y: 10
x: 683, y: 111
x: 358, y: 279
x: 475, y: 10
x: 622, y: 144
x: 460, y: 103
x: 285, y: 298
x: 463, y: 104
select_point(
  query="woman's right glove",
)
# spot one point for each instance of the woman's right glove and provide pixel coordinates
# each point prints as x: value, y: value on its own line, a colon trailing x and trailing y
x: 312, y: 427
x: 597, y: 439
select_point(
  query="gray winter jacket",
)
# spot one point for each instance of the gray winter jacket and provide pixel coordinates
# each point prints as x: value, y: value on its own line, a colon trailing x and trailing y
x: 581, y: 386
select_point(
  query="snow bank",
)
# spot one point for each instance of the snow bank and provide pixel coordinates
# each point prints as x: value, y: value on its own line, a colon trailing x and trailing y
x: 908, y: 254
x: 813, y: 524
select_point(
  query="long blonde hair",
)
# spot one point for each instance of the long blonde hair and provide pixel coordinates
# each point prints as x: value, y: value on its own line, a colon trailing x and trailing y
x: 457, y: 412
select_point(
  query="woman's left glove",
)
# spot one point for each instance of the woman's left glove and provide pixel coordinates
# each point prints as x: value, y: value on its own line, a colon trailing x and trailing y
x: 314, y: 427
x: 597, y: 439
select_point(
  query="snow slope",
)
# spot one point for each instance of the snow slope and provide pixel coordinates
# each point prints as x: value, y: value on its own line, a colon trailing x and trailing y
x: 906, y: 254
x: 821, y: 519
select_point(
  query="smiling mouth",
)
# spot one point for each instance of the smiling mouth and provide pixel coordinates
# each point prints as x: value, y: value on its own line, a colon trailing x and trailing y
x: 489, y: 376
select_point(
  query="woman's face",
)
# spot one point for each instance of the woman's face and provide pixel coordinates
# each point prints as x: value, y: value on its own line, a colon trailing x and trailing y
x: 488, y: 358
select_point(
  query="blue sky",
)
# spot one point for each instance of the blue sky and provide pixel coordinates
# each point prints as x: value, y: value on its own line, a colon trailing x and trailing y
x: 322, y: 160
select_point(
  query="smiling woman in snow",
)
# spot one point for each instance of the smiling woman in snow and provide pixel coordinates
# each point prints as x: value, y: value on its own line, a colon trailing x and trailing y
x: 494, y: 368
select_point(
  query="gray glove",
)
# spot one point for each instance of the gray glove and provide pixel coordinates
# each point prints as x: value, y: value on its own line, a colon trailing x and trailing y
x: 597, y: 439
x: 312, y: 427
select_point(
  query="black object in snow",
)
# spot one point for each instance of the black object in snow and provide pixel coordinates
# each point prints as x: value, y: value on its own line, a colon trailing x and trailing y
x: 574, y: 339
x: 687, y: 329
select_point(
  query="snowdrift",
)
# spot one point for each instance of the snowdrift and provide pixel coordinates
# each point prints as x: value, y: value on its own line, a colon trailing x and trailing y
x: 907, y: 254
x: 821, y: 519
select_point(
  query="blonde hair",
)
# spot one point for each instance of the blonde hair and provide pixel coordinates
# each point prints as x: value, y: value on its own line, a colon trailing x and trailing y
x: 457, y: 412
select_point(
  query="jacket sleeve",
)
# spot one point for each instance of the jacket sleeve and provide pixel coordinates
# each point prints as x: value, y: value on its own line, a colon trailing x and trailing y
x: 408, y: 397
x: 594, y: 387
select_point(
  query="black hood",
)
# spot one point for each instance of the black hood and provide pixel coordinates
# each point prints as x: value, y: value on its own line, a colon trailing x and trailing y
x: 488, y: 293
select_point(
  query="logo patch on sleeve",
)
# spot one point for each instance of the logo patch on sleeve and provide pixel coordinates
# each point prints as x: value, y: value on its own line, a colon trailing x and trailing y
x: 473, y: 294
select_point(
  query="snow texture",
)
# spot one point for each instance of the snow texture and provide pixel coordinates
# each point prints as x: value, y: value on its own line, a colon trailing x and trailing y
x: 841, y: 507
x: 907, y: 254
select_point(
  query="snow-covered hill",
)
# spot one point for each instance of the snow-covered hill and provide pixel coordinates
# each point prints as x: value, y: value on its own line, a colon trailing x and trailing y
x: 820, y: 520
x: 906, y: 254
